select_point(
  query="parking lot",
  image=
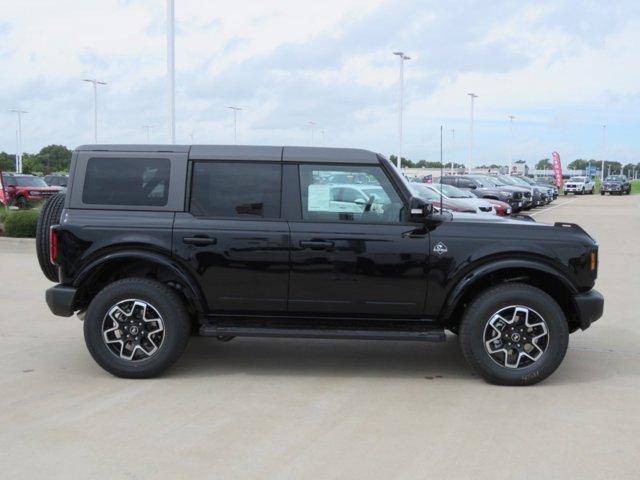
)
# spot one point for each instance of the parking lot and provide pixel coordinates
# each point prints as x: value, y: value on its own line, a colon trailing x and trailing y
x: 264, y: 408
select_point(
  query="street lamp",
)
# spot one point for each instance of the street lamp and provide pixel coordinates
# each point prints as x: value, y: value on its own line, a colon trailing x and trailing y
x: 19, y: 112
x: 148, y: 129
x: 403, y: 58
x: 473, y: 97
x: 604, y: 147
x: 95, y: 84
x: 313, y: 126
x: 235, y: 123
x: 171, y: 73
x: 511, y: 117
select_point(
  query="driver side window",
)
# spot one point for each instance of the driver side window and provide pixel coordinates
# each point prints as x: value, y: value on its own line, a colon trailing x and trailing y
x: 348, y: 194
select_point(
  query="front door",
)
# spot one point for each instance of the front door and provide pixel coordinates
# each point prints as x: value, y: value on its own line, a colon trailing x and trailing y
x: 232, y: 236
x: 352, y: 253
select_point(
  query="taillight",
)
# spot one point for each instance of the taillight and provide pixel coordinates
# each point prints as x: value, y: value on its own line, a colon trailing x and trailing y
x: 53, y: 244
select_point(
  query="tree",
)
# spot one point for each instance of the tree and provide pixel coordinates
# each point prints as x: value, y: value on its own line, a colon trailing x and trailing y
x: 55, y: 158
x: 544, y: 164
x: 7, y: 162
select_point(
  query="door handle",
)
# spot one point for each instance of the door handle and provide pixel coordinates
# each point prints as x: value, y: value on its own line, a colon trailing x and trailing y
x: 199, y: 241
x: 316, y: 244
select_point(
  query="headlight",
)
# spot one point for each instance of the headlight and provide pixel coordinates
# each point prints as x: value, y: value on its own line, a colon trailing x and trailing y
x: 506, y: 194
x: 34, y: 193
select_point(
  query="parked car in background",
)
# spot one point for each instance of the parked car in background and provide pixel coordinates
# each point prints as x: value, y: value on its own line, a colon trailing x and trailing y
x: 57, y: 179
x: 579, y: 185
x: 538, y: 196
x: 488, y: 188
x: 24, y: 190
x: 453, y: 193
x: 422, y: 191
x: 551, y: 191
x: 618, y: 184
x: 501, y: 208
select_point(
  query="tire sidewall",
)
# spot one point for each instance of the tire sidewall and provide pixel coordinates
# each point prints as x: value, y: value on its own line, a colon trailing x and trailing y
x: 479, y: 314
x: 165, y: 301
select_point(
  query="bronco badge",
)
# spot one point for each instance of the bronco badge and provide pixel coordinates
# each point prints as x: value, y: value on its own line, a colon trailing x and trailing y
x: 440, y: 248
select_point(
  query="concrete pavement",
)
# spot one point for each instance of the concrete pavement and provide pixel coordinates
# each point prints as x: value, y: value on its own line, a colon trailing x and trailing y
x: 271, y: 409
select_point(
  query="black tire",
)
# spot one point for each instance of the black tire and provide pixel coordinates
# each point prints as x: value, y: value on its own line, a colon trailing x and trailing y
x: 22, y: 203
x: 49, y: 215
x: 478, y: 315
x: 601, y: 193
x: 168, y: 305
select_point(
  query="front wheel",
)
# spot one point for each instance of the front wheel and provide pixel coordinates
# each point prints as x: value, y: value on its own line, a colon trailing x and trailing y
x: 514, y: 334
x: 136, y: 328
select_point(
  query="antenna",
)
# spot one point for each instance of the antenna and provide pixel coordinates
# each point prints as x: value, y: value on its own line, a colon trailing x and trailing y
x: 441, y: 167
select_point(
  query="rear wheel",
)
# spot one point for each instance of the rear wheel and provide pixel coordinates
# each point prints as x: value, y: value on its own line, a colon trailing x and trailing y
x: 136, y: 328
x: 49, y: 215
x: 514, y: 334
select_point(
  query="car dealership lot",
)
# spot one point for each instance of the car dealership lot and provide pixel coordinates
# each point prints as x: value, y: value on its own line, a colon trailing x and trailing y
x: 261, y: 408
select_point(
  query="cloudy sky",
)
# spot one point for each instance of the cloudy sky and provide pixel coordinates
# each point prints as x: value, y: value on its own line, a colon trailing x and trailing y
x: 563, y: 68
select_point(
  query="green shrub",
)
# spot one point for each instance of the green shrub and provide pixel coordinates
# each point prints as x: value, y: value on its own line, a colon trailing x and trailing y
x: 3, y: 213
x: 21, y: 223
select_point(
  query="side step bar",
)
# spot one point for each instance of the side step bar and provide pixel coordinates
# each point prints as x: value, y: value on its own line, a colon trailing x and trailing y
x: 431, y: 334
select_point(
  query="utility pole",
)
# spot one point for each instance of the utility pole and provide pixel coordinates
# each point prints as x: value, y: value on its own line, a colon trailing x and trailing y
x: 148, y: 129
x: 473, y: 96
x: 171, y: 72
x: 235, y: 123
x: 511, y: 117
x: 403, y: 58
x: 604, y: 146
x: 312, y: 125
x: 19, y: 112
x: 453, y: 147
x: 95, y: 105
x: 322, y: 132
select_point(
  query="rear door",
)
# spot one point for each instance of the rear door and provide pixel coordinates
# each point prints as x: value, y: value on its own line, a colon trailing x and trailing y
x: 360, y: 260
x: 232, y: 235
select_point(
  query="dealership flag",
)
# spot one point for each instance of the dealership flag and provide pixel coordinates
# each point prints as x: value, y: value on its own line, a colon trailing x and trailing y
x: 557, y: 169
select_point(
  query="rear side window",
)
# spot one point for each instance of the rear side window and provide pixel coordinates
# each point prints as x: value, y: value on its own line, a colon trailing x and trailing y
x: 238, y: 189
x: 127, y: 181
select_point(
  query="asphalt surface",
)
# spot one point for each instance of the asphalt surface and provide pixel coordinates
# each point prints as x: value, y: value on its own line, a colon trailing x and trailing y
x: 271, y: 409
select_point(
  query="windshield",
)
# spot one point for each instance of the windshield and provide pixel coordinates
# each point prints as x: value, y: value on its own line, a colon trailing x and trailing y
x: 452, y: 192
x: 488, y: 181
x: 424, y: 192
x: 519, y: 181
x: 614, y: 178
x: 578, y: 179
x: 24, y: 181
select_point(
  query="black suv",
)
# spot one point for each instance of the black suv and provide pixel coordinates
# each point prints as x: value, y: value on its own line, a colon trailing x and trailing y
x: 152, y: 244
x: 618, y: 184
x: 484, y: 186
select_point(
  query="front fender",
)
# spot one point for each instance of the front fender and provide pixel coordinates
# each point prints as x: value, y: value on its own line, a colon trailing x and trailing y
x: 479, y: 272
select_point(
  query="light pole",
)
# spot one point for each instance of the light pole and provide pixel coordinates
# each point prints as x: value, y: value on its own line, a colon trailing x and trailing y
x: 191, y: 136
x: 453, y: 147
x: 322, y: 132
x: 19, y: 112
x: 473, y: 96
x: 403, y: 58
x: 171, y: 73
x: 511, y: 117
x: 604, y: 148
x: 313, y: 126
x: 148, y: 129
x: 95, y: 105
x: 235, y: 123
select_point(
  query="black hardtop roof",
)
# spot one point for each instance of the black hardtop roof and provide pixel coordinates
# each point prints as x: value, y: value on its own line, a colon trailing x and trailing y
x: 248, y: 152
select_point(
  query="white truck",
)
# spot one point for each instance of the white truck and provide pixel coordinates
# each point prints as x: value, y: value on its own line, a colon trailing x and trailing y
x: 579, y: 185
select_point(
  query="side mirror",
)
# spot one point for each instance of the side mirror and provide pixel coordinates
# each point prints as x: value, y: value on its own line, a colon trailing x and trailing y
x: 419, y: 210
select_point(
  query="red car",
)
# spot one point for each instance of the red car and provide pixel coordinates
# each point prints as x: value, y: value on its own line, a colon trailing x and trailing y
x: 424, y: 192
x: 502, y: 208
x: 24, y: 190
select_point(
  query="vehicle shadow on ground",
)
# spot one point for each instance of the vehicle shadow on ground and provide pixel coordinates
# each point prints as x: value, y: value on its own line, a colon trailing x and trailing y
x: 327, y: 358
x: 206, y: 357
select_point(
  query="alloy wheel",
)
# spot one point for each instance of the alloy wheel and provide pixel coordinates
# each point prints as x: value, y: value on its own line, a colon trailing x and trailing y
x: 516, y: 336
x: 133, y: 330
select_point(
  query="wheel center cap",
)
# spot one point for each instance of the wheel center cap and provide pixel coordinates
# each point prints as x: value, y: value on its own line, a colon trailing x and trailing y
x: 134, y: 330
x: 515, y: 337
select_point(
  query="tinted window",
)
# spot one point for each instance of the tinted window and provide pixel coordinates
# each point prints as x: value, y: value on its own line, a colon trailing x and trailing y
x: 348, y: 193
x: 238, y: 189
x: 464, y: 183
x: 127, y: 181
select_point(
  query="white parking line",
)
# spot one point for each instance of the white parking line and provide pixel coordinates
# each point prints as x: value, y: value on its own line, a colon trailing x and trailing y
x: 551, y: 208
